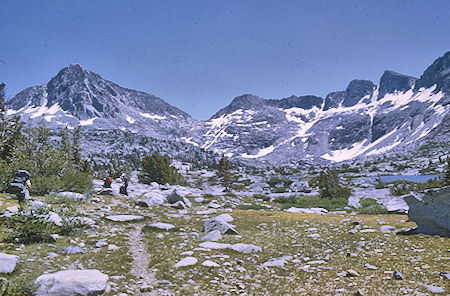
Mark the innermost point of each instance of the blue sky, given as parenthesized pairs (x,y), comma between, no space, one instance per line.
(199,55)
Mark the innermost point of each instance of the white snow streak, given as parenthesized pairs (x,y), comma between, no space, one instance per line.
(153,116)
(88,121)
(261,152)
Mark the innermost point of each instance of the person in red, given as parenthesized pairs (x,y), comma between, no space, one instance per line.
(107,183)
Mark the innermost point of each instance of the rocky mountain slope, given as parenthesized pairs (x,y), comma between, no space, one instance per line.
(365,119)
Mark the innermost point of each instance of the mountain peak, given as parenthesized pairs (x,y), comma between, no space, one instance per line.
(438,73)
(392,81)
(356,90)
(245,101)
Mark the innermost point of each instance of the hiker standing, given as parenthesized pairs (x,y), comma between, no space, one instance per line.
(20,186)
(123,188)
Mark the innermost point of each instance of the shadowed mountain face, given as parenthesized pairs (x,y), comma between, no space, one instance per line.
(362,120)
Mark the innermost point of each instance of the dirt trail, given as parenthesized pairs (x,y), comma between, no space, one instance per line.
(146,278)
(141,258)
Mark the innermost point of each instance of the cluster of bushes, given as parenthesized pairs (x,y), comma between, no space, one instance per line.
(330,185)
(29,228)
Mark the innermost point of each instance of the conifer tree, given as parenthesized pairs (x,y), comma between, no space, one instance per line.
(224,172)
(9,128)
(157,168)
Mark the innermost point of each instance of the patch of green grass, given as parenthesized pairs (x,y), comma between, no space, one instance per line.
(251,207)
(302,201)
(371,207)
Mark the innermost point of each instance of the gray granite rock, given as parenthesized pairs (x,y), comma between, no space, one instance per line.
(431,212)
(8,262)
(87,282)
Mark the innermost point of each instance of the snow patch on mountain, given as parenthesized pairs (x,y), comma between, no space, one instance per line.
(261,152)
(88,121)
(153,116)
(130,119)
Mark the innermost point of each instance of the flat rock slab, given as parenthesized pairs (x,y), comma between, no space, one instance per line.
(163,226)
(214,245)
(245,248)
(124,218)
(275,262)
(8,262)
(72,282)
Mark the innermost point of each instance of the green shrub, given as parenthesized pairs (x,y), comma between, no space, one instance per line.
(261,196)
(22,286)
(331,204)
(28,229)
(75,181)
(157,168)
(291,199)
(371,207)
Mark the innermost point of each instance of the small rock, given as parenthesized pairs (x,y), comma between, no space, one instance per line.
(371,267)
(209,263)
(352,255)
(146,288)
(141,203)
(398,275)
(178,205)
(359,292)
(387,228)
(275,262)
(186,262)
(199,199)
(163,226)
(3,285)
(434,289)
(72,250)
(113,247)
(124,218)
(100,243)
(445,274)
(351,273)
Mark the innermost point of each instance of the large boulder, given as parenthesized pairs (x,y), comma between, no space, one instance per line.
(431,212)
(153,198)
(72,282)
(175,197)
(219,223)
(8,262)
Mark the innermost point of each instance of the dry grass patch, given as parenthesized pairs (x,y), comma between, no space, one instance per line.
(303,238)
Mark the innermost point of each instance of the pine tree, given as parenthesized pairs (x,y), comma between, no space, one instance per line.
(447,173)
(224,172)
(9,128)
(76,145)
